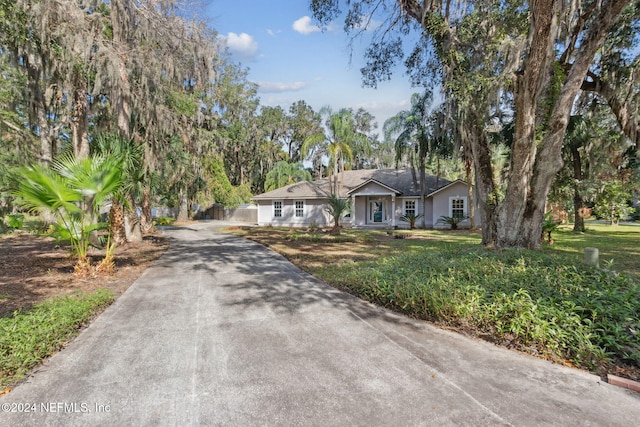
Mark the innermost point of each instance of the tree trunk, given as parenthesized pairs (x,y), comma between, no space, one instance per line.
(183,214)
(516,210)
(132,223)
(521,214)
(578,202)
(116,223)
(471,208)
(80,122)
(46,144)
(486,187)
(423,177)
(578,207)
(146,219)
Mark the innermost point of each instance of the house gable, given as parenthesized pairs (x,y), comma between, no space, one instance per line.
(372,187)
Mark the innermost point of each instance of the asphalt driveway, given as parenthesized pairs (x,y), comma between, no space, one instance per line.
(222,331)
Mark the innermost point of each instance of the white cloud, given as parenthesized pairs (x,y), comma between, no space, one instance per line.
(304,26)
(273,33)
(277,87)
(369,24)
(242,45)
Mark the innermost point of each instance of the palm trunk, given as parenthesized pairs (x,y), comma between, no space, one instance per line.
(146,219)
(132,223)
(116,223)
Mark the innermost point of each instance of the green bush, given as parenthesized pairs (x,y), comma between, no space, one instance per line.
(16,220)
(163,220)
(29,337)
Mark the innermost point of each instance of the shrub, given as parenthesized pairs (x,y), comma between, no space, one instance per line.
(163,220)
(453,221)
(16,220)
(411,219)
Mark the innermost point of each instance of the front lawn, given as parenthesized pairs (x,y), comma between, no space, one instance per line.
(547,302)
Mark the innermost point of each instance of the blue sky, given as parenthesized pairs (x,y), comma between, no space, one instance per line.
(291,59)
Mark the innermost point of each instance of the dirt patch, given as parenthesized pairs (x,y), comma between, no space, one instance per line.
(34,268)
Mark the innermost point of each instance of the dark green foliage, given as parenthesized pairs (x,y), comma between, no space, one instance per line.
(531,300)
(337,208)
(27,338)
(549,225)
(453,221)
(411,219)
(163,220)
(16,220)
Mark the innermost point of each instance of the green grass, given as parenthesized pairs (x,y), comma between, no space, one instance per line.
(29,337)
(546,302)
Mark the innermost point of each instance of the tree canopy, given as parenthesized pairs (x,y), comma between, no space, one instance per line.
(518,62)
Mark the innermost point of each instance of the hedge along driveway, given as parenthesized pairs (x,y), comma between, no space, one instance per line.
(224,331)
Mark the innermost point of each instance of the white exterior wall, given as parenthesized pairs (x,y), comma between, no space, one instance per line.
(359,212)
(314,210)
(428,213)
(442,205)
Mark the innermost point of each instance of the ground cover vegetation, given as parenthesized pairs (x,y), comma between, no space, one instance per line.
(548,302)
(28,338)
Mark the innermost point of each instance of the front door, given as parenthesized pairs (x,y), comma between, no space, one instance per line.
(377,211)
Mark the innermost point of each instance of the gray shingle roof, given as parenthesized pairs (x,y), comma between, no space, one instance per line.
(398,179)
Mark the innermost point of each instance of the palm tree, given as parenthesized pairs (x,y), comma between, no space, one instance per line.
(122,203)
(285,173)
(337,143)
(413,136)
(72,190)
(337,208)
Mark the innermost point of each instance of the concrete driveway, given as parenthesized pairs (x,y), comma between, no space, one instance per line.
(222,331)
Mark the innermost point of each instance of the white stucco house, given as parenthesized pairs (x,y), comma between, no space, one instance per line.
(379,198)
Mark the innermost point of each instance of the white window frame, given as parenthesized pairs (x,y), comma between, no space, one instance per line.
(415,206)
(276,209)
(296,209)
(465,205)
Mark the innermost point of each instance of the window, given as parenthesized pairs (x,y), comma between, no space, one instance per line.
(457,207)
(299,208)
(277,208)
(410,207)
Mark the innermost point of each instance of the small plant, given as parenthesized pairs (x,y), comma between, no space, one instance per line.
(549,225)
(16,221)
(337,208)
(453,221)
(411,219)
(107,264)
(163,220)
(313,226)
(71,190)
